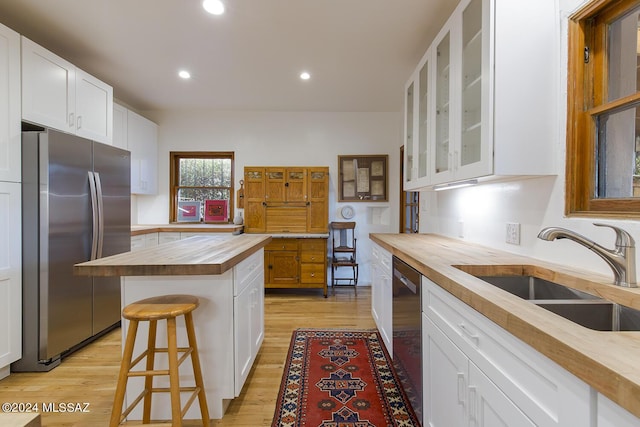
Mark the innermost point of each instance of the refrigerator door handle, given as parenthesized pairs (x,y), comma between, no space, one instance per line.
(94,215)
(100,214)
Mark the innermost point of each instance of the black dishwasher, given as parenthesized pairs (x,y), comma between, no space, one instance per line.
(407,332)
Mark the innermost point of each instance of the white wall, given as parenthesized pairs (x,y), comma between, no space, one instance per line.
(480,213)
(284,139)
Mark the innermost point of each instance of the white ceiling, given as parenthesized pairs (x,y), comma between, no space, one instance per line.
(359,52)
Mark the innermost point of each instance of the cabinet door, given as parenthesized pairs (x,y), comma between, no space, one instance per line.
(282,268)
(421,149)
(10,105)
(242,337)
(318,209)
(257,314)
(274,185)
(254,200)
(10,274)
(475,156)
(94,108)
(443,155)
(489,406)
(445,375)
(142,136)
(48,88)
(119,138)
(296,185)
(410,172)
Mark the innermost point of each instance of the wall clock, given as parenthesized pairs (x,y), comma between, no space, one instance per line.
(347,212)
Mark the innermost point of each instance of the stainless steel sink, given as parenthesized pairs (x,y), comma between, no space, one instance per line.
(534,288)
(600,315)
(580,307)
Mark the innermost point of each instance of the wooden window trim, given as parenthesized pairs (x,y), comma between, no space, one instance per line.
(174,159)
(587,95)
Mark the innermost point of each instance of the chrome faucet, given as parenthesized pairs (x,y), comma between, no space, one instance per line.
(622,259)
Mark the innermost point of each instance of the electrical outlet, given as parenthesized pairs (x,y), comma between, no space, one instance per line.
(513,233)
(461,229)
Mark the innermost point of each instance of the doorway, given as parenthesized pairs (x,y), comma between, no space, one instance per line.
(409,204)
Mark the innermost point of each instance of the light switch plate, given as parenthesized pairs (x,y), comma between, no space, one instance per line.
(513,233)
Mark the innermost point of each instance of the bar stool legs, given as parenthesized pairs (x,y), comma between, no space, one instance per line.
(152,309)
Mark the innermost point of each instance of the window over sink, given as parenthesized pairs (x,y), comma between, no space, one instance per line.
(603,126)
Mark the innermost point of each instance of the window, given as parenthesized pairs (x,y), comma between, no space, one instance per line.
(603,126)
(201,186)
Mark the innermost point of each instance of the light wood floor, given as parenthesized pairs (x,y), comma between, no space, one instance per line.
(89,375)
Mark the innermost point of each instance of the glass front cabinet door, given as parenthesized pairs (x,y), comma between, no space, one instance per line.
(417,126)
(462,147)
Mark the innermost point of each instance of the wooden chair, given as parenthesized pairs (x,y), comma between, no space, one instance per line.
(166,307)
(344,241)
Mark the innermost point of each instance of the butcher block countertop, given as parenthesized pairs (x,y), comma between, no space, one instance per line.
(198,255)
(608,361)
(195,227)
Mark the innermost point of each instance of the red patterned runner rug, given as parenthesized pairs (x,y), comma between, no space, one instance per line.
(340,378)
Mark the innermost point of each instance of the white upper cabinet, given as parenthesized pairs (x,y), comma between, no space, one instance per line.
(58,95)
(9,105)
(120,126)
(142,141)
(480,104)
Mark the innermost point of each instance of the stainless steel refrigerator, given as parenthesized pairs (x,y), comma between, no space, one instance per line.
(76,206)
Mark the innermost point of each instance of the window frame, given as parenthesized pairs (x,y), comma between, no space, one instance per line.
(586,99)
(174,170)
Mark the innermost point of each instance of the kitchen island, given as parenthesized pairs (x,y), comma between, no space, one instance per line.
(555,371)
(226,273)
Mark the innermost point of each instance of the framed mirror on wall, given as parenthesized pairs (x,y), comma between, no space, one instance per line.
(363,178)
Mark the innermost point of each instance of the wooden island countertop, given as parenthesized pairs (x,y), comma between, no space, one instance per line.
(607,361)
(198,255)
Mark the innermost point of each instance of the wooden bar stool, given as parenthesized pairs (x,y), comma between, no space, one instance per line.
(166,307)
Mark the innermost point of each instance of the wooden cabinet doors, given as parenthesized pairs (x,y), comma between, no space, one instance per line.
(285,185)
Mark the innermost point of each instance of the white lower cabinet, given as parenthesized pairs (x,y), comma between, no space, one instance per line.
(229,324)
(381,293)
(476,373)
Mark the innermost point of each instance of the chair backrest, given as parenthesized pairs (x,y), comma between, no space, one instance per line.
(343,239)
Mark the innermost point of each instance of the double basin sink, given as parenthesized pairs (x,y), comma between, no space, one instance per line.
(580,307)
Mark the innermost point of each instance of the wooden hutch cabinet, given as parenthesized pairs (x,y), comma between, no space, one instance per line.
(290,200)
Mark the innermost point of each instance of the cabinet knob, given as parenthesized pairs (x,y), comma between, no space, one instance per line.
(313,258)
(313,274)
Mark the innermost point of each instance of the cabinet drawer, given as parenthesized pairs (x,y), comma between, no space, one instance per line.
(312,273)
(382,256)
(313,244)
(246,270)
(312,256)
(282,245)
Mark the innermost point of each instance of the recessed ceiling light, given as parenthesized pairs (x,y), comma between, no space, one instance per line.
(305,76)
(184,74)
(214,7)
